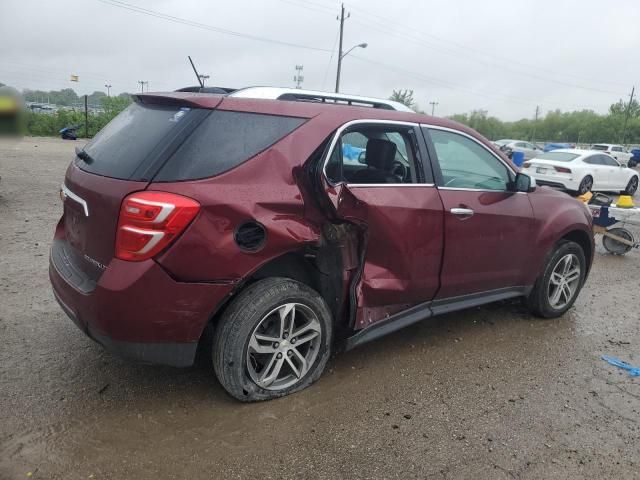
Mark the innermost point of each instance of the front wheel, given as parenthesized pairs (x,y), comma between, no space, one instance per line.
(557,288)
(273,339)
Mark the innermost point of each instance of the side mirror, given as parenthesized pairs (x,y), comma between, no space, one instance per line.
(524,183)
(362,158)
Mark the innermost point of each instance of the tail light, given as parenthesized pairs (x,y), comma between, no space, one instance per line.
(526,164)
(150,221)
(562,169)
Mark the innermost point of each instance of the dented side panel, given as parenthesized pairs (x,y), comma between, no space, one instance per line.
(265,189)
(401,237)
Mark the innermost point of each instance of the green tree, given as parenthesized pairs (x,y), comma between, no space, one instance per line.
(403,96)
(620,108)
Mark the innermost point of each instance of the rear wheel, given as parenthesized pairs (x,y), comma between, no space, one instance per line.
(585,185)
(274,339)
(614,246)
(557,288)
(632,186)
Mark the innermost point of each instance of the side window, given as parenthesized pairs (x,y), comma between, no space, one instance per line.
(224,140)
(608,161)
(616,149)
(592,160)
(373,154)
(465,163)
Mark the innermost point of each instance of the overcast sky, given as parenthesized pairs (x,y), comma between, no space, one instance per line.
(502,56)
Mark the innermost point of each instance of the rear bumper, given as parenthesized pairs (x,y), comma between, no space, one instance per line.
(558,181)
(137,311)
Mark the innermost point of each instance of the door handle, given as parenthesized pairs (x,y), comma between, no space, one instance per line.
(462,212)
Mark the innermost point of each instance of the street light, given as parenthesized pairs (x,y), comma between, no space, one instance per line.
(203,77)
(108,90)
(342,55)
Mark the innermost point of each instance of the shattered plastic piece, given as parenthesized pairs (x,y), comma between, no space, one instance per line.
(633,371)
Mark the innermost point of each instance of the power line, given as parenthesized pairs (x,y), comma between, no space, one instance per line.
(474,58)
(333,51)
(191,23)
(444,84)
(385,21)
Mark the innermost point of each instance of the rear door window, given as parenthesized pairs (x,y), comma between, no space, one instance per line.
(224,140)
(374,154)
(124,144)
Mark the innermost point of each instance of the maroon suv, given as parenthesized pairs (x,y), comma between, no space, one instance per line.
(294,226)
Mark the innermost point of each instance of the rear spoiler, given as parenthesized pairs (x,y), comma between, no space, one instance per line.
(180,99)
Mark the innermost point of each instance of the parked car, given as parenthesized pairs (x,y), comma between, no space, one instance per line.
(581,171)
(528,149)
(635,157)
(616,151)
(238,220)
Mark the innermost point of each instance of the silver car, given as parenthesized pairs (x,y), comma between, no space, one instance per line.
(529,149)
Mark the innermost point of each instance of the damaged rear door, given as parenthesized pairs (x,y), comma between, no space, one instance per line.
(374,178)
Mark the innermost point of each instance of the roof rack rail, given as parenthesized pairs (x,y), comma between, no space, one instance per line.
(199,89)
(299,95)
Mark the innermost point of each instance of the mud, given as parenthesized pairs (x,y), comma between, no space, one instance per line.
(487,393)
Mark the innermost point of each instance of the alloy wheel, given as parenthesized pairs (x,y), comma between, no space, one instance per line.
(564,281)
(633,186)
(283,346)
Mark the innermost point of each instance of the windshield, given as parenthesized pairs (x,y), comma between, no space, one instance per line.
(558,156)
(599,147)
(502,143)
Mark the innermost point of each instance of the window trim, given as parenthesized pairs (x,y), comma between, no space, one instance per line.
(338,133)
(436,164)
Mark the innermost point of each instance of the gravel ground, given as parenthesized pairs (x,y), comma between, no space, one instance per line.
(486,393)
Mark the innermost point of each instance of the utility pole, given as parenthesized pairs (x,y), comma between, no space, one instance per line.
(535,124)
(433,107)
(108,87)
(341,18)
(627,114)
(86,118)
(298,78)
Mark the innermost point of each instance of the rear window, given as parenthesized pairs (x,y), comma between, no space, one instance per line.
(599,147)
(224,140)
(558,156)
(124,144)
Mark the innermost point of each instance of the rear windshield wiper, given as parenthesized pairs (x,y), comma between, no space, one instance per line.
(83,155)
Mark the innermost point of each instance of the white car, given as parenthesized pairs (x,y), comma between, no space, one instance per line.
(581,171)
(616,151)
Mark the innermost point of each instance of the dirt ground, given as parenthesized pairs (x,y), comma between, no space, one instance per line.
(486,393)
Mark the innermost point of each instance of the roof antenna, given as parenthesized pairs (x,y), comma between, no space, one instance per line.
(200,80)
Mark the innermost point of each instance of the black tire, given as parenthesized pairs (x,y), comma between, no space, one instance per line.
(243,316)
(585,185)
(632,186)
(615,247)
(538,300)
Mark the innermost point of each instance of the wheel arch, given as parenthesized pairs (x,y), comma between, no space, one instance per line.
(303,266)
(583,239)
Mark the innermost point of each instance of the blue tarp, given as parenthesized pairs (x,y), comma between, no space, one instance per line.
(555,146)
